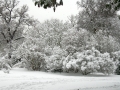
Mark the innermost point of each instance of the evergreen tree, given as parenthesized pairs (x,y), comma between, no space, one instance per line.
(48,3)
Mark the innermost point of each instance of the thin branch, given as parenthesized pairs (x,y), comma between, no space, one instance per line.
(16,28)
(19,38)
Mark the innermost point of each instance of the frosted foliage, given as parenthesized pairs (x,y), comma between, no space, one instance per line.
(57,50)
(5,63)
(20,64)
(83,68)
(54,58)
(116,55)
(70,49)
(89,61)
(29,58)
(79,39)
(54,51)
(34,61)
(116,58)
(48,50)
(53,62)
(70,64)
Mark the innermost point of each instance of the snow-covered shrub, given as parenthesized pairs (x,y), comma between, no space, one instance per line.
(48,50)
(15,58)
(27,58)
(58,51)
(116,57)
(5,63)
(98,62)
(81,61)
(107,66)
(118,69)
(87,66)
(70,64)
(34,61)
(54,59)
(19,55)
(54,63)
(88,62)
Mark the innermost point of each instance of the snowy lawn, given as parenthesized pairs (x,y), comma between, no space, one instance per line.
(21,79)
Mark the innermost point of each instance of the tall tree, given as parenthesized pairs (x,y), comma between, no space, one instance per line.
(13,21)
(95,16)
(73,20)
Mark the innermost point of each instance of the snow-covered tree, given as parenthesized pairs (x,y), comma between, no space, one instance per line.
(81,39)
(105,43)
(14,20)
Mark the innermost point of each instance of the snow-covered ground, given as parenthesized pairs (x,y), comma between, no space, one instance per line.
(21,79)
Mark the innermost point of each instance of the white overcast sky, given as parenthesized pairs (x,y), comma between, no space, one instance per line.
(62,12)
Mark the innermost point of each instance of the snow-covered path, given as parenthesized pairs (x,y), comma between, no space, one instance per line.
(20,79)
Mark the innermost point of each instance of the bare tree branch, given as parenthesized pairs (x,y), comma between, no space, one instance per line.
(19,38)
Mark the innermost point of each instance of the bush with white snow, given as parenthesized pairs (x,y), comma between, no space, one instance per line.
(88,62)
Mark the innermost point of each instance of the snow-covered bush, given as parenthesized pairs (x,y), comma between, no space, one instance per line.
(88,62)
(54,63)
(58,51)
(118,69)
(70,64)
(28,58)
(5,63)
(19,55)
(15,58)
(54,59)
(116,57)
(34,61)
(48,51)
(107,66)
